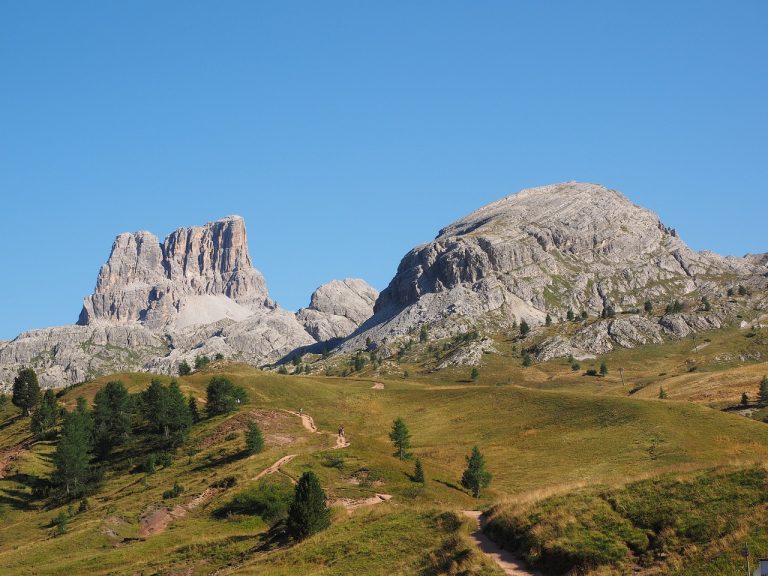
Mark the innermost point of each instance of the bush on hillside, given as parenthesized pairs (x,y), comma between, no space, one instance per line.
(269,499)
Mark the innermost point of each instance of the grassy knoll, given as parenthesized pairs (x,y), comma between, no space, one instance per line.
(658,526)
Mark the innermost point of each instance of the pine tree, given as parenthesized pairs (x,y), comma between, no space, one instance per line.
(569,316)
(764,390)
(184,368)
(474,374)
(154,405)
(418,472)
(662,394)
(744,399)
(475,476)
(112,415)
(179,418)
(400,437)
(548,320)
(423,334)
(26,390)
(308,513)
(254,441)
(166,408)
(223,396)
(194,411)
(648,306)
(603,369)
(527,360)
(45,417)
(524,328)
(72,456)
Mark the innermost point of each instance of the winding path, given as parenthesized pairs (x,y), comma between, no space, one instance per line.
(274,468)
(503,558)
(309,423)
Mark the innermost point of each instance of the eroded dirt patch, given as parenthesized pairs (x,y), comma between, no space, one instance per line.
(355,503)
(8,456)
(271,422)
(156,520)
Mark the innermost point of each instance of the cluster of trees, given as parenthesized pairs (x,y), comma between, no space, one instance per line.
(89,435)
(474,478)
(742,290)
(201,361)
(675,308)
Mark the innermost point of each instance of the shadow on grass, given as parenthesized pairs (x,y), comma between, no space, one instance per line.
(10,421)
(223,461)
(450,485)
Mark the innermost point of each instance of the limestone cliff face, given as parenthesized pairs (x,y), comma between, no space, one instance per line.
(338,308)
(148,282)
(544,251)
(156,304)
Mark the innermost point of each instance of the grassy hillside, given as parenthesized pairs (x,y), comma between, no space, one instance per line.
(538,440)
(692,524)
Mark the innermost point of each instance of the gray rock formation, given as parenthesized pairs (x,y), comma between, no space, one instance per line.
(69,354)
(148,282)
(338,308)
(544,251)
(158,304)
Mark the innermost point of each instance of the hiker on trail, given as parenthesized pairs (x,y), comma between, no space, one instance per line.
(301,411)
(341,431)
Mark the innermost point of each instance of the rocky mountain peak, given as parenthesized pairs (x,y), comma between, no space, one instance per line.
(149,282)
(338,308)
(545,251)
(586,220)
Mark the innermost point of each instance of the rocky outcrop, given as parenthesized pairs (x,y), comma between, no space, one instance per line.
(148,282)
(547,250)
(156,304)
(338,308)
(69,354)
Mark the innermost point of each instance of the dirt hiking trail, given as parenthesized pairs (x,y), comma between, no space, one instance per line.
(309,424)
(274,468)
(510,565)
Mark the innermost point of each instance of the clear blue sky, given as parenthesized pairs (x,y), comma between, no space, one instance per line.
(347,132)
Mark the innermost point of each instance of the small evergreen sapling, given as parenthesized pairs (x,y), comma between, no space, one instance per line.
(764,390)
(475,476)
(418,472)
(254,440)
(400,437)
(308,513)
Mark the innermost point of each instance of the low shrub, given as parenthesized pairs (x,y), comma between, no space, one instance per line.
(269,499)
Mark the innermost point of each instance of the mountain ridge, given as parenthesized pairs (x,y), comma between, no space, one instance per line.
(547,252)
